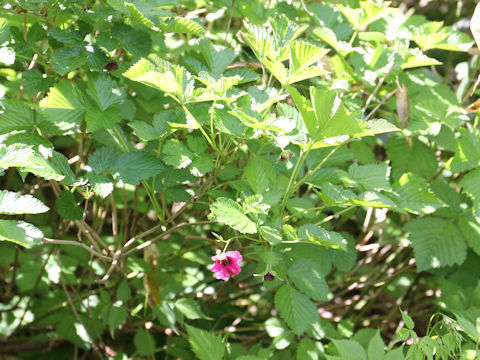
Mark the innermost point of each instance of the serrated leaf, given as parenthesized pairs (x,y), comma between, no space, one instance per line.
(102,159)
(328,122)
(270,234)
(191,309)
(115,317)
(45,168)
(132,167)
(176,154)
(309,350)
(144,342)
(470,184)
(171,79)
(148,132)
(181,25)
(245,74)
(374,199)
(376,347)
(101,185)
(350,350)
(371,176)
(137,16)
(20,232)
(295,308)
(67,206)
(202,165)
(4,30)
(15,116)
(64,105)
(68,37)
(318,235)
(436,243)
(103,90)
(15,155)
(467,152)
(337,194)
(256,176)
(205,345)
(308,279)
(97,119)
(135,41)
(228,212)
(417,158)
(13,203)
(414,195)
(68,59)
(216,57)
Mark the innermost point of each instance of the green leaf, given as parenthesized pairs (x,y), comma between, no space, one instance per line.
(15,116)
(15,155)
(135,41)
(68,59)
(20,232)
(417,158)
(414,195)
(467,152)
(202,165)
(471,232)
(171,79)
(4,30)
(228,212)
(144,342)
(318,235)
(205,345)
(176,154)
(147,132)
(328,122)
(470,184)
(436,243)
(371,176)
(115,317)
(101,185)
(256,176)
(102,159)
(271,234)
(132,167)
(191,309)
(350,350)
(295,308)
(45,168)
(67,206)
(309,350)
(64,105)
(12,203)
(376,347)
(407,320)
(97,119)
(306,277)
(181,25)
(104,92)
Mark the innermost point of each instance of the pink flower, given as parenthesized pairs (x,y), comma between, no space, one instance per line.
(226,265)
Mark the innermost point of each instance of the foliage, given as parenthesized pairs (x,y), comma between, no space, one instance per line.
(328,143)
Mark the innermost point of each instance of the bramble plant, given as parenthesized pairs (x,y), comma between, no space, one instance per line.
(213,179)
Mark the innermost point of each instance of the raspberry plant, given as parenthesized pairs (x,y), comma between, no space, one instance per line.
(327,146)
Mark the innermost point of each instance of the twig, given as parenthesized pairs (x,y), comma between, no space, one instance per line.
(384,100)
(75,243)
(159,237)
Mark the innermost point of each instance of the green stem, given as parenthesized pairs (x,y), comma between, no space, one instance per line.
(212,144)
(311,173)
(150,191)
(301,158)
(328,218)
